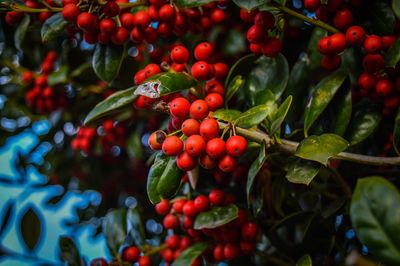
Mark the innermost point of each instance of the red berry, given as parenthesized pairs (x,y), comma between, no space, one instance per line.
(247,247)
(215,101)
(366,81)
(203,51)
(227,163)
(324,45)
(152,69)
(217,197)
(373,44)
(215,148)
(70,12)
(108,25)
(162,208)
(312,5)
(127,21)
(256,48)
(231,251)
(195,145)
(180,54)
(201,203)
(218,16)
(384,87)
(110,9)
(209,129)
(178,67)
(189,209)
(337,43)
(256,35)
(199,109)
(185,241)
(373,62)
(137,35)
(218,252)
(144,261)
(120,36)
(87,21)
(170,222)
(164,29)
(202,71)
(388,41)
(220,70)
(331,62)
(179,107)
(99,262)
(172,146)
(141,19)
(264,20)
(185,162)
(130,254)
(166,13)
(177,206)
(207,162)
(190,127)
(173,241)
(343,19)
(272,47)
(236,146)
(140,76)
(214,86)
(355,35)
(249,231)
(247,15)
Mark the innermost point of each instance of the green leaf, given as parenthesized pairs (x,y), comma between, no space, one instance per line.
(255,115)
(267,80)
(279,116)
(111,104)
(323,94)
(155,172)
(234,43)
(321,148)
(137,231)
(396,133)
(134,146)
(241,67)
(375,215)
(314,57)
(393,54)
(343,114)
(165,83)
(254,169)
(191,3)
(302,171)
(396,8)
(107,60)
(250,4)
(59,76)
(228,115)
(216,217)
(190,254)
(20,32)
(381,17)
(53,27)
(31,228)
(366,119)
(69,251)
(170,179)
(233,87)
(114,229)
(304,261)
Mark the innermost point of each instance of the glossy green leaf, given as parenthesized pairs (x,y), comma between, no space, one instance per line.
(250,4)
(343,114)
(255,115)
(136,226)
(165,83)
(304,261)
(69,252)
(392,56)
(216,217)
(190,254)
(241,67)
(254,169)
(191,3)
(396,133)
(278,118)
(228,115)
(170,180)
(155,172)
(111,104)
(302,171)
(323,94)
(314,57)
(107,60)
(59,76)
(31,228)
(396,8)
(267,80)
(234,43)
(114,229)
(375,215)
(321,148)
(381,16)
(233,87)
(365,121)
(20,32)
(53,27)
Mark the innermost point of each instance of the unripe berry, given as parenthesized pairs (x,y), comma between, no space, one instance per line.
(172,146)
(203,51)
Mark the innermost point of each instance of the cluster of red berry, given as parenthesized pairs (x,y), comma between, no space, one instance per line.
(130,254)
(229,241)
(13,18)
(260,41)
(42,97)
(85,139)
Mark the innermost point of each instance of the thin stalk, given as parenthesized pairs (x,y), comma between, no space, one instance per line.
(156,250)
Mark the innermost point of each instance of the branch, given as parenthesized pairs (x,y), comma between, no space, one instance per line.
(316,22)
(290,147)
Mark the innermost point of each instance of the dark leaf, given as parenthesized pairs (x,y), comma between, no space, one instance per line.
(107,60)
(254,169)
(304,261)
(53,27)
(20,32)
(302,171)
(135,226)
(191,3)
(233,87)
(255,115)
(393,54)
(396,133)
(250,4)
(170,180)
(343,114)
(336,205)
(190,254)
(396,8)
(321,148)
(69,251)
(375,215)
(111,104)
(382,18)
(31,228)
(59,76)
(323,94)
(241,67)
(228,115)
(155,172)
(278,118)
(216,217)
(114,229)
(314,56)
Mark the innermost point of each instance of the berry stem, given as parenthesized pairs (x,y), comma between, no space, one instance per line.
(134,4)
(175,132)
(155,250)
(316,22)
(290,147)
(22,8)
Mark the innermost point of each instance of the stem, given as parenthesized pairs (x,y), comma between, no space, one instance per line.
(290,147)
(135,4)
(156,250)
(22,8)
(316,22)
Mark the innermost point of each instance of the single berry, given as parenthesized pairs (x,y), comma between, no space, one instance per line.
(217,197)
(202,71)
(180,54)
(70,12)
(130,254)
(256,35)
(384,87)
(227,164)
(203,51)
(209,129)
(215,148)
(249,231)
(185,162)
(373,44)
(366,81)
(264,20)
(236,146)
(179,107)
(201,203)
(195,145)
(170,222)
(172,146)
(162,208)
(199,109)
(343,19)
(189,209)
(190,127)
(355,35)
